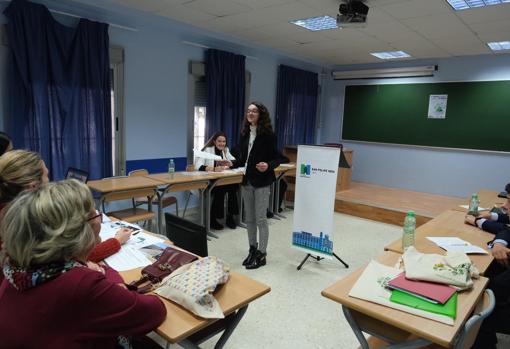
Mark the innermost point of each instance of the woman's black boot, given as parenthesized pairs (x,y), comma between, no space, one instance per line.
(251,254)
(258,260)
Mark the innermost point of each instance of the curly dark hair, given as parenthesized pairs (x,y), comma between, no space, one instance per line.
(264,123)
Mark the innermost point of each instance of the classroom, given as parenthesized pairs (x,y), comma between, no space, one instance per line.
(411,94)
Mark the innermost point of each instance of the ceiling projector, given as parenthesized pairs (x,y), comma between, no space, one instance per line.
(352,12)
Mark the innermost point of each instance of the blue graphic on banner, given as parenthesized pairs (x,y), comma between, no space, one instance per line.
(320,243)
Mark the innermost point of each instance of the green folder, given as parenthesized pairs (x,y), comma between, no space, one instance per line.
(449,308)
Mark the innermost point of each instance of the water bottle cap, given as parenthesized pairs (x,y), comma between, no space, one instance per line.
(410,213)
(474,195)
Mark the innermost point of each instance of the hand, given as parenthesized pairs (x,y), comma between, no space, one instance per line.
(470,220)
(123,235)
(262,166)
(95,267)
(226,163)
(220,168)
(501,254)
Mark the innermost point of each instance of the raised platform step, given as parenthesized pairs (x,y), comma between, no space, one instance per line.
(390,205)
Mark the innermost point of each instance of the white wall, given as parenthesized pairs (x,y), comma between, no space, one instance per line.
(440,171)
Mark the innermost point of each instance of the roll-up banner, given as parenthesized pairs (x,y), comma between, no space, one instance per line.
(314,200)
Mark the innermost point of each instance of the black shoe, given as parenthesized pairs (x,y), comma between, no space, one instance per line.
(280,210)
(231,222)
(258,261)
(269,214)
(215,225)
(251,254)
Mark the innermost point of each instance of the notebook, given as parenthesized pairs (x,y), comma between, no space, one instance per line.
(449,308)
(432,292)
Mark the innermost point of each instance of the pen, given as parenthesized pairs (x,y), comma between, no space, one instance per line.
(136,232)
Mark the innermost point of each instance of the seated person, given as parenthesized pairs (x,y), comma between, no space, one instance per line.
(5,143)
(51,297)
(499,275)
(217,145)
(25,170)
(490,221)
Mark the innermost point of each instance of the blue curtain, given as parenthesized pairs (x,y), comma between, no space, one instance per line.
(60,90)
(296,106)
(225,77)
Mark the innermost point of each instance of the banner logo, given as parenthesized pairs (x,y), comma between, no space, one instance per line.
(305,170)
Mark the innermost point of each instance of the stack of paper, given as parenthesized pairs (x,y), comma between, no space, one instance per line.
(130,255)
(455,244)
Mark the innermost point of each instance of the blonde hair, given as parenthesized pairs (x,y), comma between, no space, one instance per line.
(18,170)
(49,225)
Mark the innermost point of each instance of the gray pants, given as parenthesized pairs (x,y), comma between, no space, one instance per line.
(256,201)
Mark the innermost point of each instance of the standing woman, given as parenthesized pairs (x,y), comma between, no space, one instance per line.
(258,153)
(217,145)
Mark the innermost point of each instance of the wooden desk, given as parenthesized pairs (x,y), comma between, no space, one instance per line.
(488,199)
(392,321)
(449,223)
(234,296)
(279,172)
(109,185)
(180,181)
(220,179)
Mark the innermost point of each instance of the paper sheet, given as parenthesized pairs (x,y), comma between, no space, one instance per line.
(479,208)
(127,258)
(205,155)
(108,229)
(455,244)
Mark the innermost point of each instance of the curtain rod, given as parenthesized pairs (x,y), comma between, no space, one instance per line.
(190,43)
(68,14)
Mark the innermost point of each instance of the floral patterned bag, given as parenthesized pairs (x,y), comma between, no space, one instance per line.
(455,268)
(192,286)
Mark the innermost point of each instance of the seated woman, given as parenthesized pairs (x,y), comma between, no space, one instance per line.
(25,170)
(217,145)
(490,221)
(50,297)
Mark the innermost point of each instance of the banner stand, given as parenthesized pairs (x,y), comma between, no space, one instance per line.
(318,258)
(314,200)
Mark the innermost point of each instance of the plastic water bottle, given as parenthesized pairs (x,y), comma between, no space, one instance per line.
(473,205)
(171,169)
(409,228)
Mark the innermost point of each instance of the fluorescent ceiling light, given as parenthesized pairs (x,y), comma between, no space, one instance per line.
(317,23)
(465,4)
(500,45)
(391,54)
(403,72)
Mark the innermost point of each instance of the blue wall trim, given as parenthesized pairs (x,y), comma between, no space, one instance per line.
(155,165)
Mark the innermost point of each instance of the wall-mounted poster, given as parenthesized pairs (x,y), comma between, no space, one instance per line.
(437,106)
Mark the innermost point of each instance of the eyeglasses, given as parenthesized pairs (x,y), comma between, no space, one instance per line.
(98,214)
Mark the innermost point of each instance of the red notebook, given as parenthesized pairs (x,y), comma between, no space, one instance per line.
(436,293)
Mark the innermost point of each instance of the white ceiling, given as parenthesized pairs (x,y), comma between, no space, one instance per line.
(422,28)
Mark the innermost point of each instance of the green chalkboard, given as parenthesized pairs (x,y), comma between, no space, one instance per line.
(477,115)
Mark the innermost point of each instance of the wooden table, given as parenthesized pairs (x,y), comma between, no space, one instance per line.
(116,184)
(233,297)
(394,323)
(279,173)
(488,199)
(450,223)
(180,181)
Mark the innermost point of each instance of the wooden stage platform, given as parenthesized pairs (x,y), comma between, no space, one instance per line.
(390,205)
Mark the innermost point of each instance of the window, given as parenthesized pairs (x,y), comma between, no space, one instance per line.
(117,101)
(199,127)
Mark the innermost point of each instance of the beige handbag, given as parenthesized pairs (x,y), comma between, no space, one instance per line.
(455,268)
(192,286)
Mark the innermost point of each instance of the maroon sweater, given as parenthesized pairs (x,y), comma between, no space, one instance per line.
(79,309)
